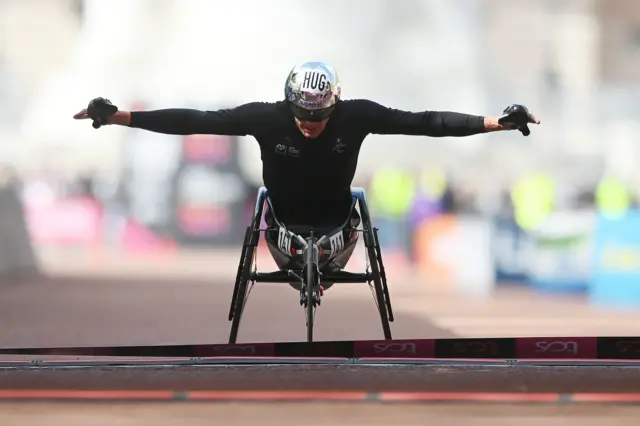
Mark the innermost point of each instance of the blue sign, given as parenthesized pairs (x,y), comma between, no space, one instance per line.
(615,280)
(510,252)
(562,247)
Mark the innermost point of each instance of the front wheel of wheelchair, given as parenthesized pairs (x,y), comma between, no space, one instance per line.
(311,304)
(240,290)
(312,286)
(379,292)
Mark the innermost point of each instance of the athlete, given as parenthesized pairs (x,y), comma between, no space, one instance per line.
(310,140)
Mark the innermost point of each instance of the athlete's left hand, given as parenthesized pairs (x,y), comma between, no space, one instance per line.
(517,117)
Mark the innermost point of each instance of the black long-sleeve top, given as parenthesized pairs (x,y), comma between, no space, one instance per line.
(309,179)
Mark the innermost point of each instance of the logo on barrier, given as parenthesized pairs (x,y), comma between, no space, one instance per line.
(557,347)
(395,349)
(315,349)
(618,347)
(476,348)
(258,349)
(628,348)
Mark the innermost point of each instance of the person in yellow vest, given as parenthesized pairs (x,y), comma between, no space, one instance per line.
(533,200)
(612,197)
(391,195)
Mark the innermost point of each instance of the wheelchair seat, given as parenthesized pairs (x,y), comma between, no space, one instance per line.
(351,222)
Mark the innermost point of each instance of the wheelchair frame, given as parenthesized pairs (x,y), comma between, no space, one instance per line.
(309,277)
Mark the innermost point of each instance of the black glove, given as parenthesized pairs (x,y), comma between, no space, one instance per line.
(517,117)
(99,110)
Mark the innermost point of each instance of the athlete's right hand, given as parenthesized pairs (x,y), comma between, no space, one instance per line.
(518,117)
(99,110)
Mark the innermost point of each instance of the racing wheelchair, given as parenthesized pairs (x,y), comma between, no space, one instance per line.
(311,260)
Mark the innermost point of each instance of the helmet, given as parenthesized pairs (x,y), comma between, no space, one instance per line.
(312,90)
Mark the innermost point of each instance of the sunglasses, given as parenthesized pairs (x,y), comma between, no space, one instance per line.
(313,115)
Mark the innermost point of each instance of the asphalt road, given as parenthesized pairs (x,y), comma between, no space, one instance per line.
(381,378)
(312,414)
(70,311)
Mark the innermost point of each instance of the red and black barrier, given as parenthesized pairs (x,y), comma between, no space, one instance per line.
(584,348)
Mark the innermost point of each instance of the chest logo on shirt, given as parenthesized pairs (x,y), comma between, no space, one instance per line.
(290,151)
(339,146)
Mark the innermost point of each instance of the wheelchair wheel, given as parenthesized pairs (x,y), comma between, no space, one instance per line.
(383,275)
(240,290)
(311,286)
(378,288)
(245,245)
(311,304)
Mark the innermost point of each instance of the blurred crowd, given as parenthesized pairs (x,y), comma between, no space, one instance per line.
(400,200)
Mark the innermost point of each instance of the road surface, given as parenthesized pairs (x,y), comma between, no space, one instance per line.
(105,304)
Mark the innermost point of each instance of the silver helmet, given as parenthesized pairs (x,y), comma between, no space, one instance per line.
(312,89)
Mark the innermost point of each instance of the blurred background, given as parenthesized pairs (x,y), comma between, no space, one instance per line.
(492,217)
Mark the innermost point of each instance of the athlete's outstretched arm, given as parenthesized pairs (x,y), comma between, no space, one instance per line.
(378,119)
(241,120)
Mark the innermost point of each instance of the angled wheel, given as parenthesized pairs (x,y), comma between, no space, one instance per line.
(242,281)
(383,275)
(239,272)
(377,283)
(375,260)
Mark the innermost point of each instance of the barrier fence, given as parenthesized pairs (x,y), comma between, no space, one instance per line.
(574,348)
